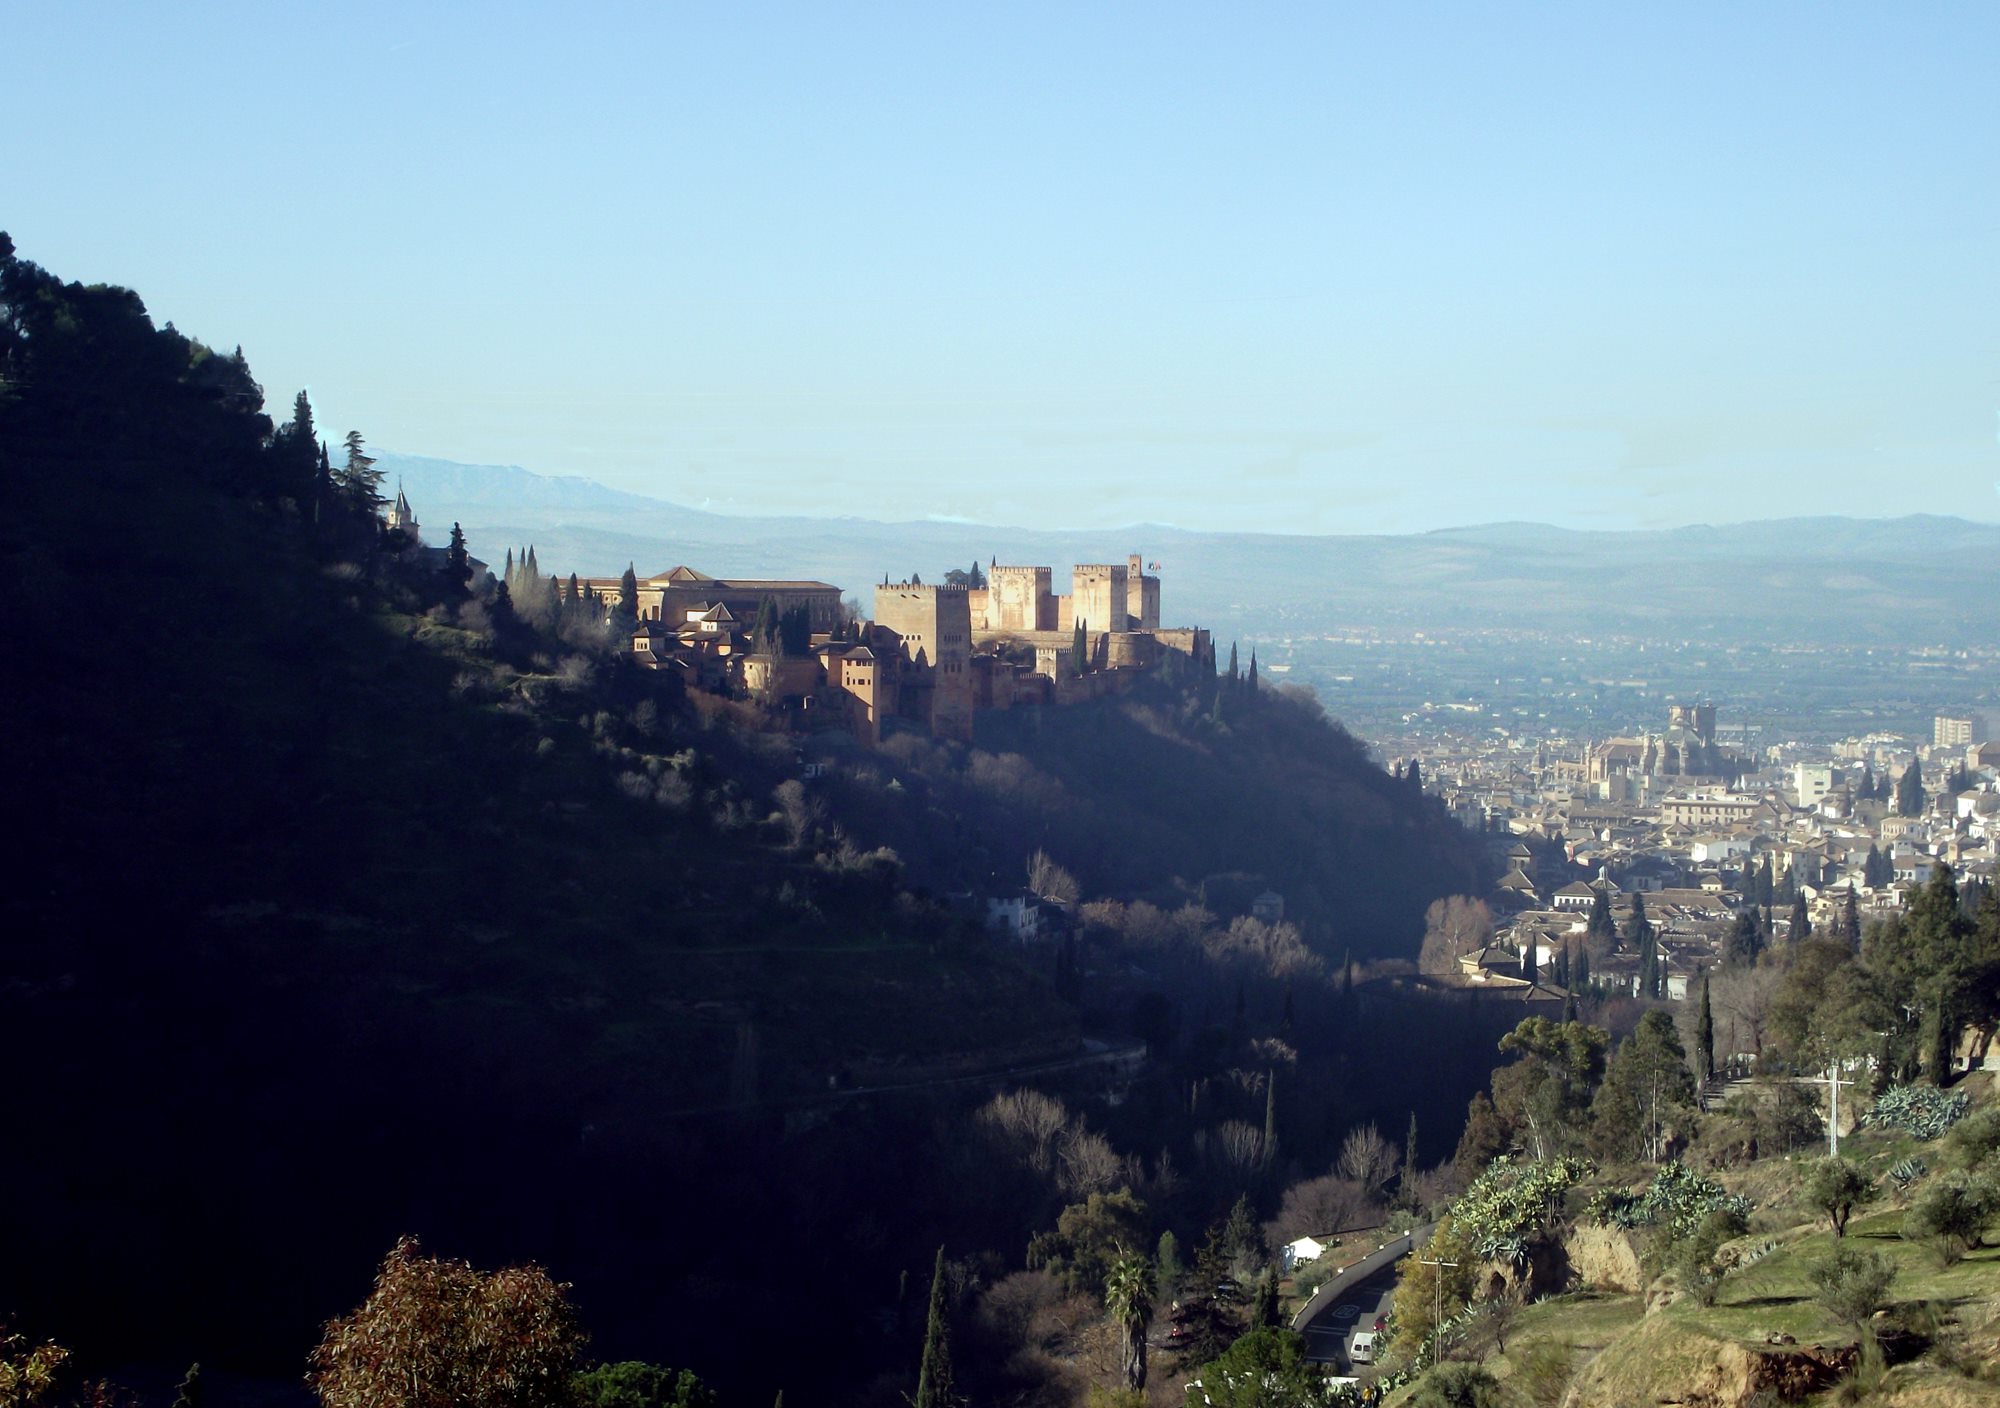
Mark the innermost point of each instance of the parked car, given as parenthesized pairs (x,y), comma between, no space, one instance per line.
(1362,1349)
(1381,1324)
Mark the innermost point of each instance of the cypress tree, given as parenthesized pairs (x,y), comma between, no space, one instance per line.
(1801,920)
(1850,920)
(1270,1152)
(457,565)
(1233,677)
(1704,1034)
(1408,1188)
(1582,967)
(1253,669)
(1562,965)
(1414,777)
(1910,790)
(190,1390)
(322,482)
(1601,924)
(1637,930)
(1528,970)
(1267,1313)
(1079,650)
(934,1371)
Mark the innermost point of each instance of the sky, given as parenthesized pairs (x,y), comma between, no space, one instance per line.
(1316,268)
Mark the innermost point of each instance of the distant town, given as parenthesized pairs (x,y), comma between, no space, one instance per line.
(1709,829)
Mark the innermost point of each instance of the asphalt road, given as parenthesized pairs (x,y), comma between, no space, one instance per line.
(1331,1332)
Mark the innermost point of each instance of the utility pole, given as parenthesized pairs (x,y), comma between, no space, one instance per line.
(1832,1082)
(1437,1306)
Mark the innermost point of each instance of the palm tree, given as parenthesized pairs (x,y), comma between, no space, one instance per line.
(1128,1295)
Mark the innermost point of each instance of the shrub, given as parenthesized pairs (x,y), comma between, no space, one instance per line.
(1457,1386)
(1678,1200)
(1921,1110)
(1906,1172)
(1852,1285)
(633,1384)
(1951,1214)
(1543,1371)
(1974,1139)
(1834,1187)
(1698,1260)
(1510,1206)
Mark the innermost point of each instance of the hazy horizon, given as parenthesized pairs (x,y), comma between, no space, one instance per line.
(1291,268)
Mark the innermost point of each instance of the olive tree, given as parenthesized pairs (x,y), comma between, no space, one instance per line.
(439,1334)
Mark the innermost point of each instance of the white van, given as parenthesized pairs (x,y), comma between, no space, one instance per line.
(1361,1349)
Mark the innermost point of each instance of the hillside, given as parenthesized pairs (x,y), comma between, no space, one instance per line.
(1769,1332)
(357,908)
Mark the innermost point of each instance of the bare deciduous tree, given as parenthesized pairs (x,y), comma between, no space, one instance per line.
(1317,1207)
(1368,1158)
(1050,880)
(1031,1122)
(1086,1163)
(798,809)
(1453,926)
(1233,1146)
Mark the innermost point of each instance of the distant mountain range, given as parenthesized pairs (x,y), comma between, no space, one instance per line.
(1921,578)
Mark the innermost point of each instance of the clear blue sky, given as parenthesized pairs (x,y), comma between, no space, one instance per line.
(1293,268)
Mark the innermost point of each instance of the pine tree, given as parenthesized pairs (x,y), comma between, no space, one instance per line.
(934,1389)
(359,479)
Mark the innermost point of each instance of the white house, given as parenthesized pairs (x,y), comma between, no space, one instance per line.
(1296,1254)
(1017,916)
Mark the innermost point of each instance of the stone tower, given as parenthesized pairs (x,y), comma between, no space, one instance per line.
(933,625)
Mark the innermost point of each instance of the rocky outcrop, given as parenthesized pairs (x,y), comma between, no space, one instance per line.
(1604,1259)
(1663,1363)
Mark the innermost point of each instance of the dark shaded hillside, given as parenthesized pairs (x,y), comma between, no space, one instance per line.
(331,923)
(344,909)
(1146,797)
